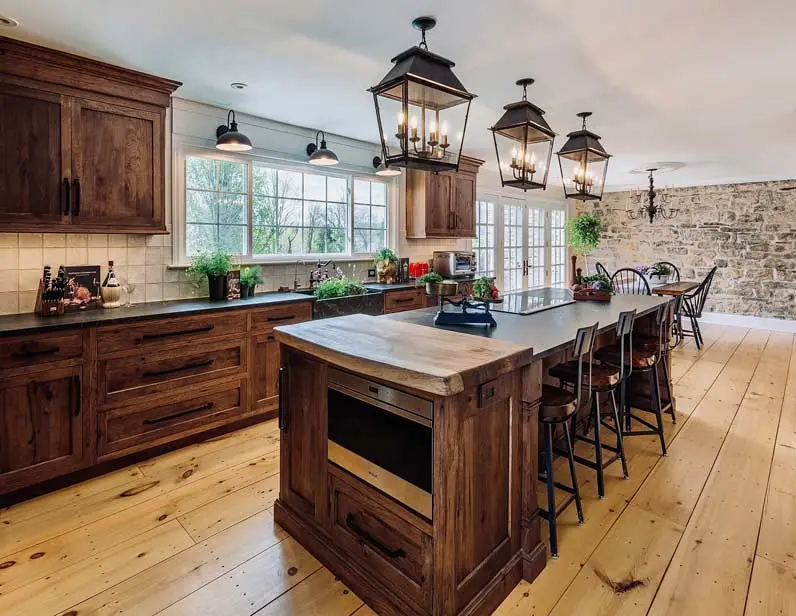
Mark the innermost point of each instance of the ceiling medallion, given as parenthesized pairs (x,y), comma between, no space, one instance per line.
(655,205)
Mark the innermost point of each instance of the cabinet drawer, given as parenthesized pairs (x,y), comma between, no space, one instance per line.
(27,350)
(124,379)
(267,318)
(383,540)
(410,299)
(136,427)
(168,332)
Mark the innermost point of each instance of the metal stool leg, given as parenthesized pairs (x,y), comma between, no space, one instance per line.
(598,447)
(655,392)
(551,495)
(620,445)
(668,388)
(625,406)
(571,458)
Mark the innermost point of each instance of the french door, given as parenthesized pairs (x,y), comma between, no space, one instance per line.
(528,243)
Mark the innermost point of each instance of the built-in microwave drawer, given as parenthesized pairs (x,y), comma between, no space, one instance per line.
(384,539)
(125,379)
(394,397)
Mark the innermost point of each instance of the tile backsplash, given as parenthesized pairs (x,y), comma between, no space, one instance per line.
(142,259)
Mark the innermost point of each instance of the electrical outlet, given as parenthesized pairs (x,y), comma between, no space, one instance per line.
(372,273)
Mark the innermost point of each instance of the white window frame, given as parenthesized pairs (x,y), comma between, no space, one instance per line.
(179,197)
(500,199)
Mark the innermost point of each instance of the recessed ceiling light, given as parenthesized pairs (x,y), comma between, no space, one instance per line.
(238,85)
(8,22)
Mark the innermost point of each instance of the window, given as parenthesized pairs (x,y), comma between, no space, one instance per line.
(484,242)
(513,249)
(536,247)
(558,248)
(257,210)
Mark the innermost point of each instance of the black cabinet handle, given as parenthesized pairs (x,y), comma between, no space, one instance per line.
(270,338)
(285,318)
(76,185)
(404,300)
(489,393)
(191,366)
(204,407)
(67,197)
(350,521)
(373,390)
(282,417)
(28,352)
(182,332)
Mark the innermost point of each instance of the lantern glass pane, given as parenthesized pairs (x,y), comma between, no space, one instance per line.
(514,153)
(584,176)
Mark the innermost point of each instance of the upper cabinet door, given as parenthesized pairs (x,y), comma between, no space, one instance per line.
(34,158)
(439,214)
(117,168)
(464,205)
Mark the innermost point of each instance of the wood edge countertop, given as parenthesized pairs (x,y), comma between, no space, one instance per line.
(435,361)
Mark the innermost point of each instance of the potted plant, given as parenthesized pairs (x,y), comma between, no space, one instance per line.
(584,235)
(659,272)
(386,263)
(215,266)
(485,288)
(432,280)
(250,277)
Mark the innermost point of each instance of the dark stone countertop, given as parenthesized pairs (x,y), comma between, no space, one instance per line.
(549,331)
(407,285)
(30,323)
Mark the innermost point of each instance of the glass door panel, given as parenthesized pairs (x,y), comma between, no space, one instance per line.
(558,248)
(536,247)
(484,244)
(514,246)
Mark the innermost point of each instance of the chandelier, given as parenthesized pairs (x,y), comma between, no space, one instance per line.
(654,205)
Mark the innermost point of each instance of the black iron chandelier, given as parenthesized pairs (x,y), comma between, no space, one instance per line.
(654,205)
(583,162)
(430,106)
(524,137)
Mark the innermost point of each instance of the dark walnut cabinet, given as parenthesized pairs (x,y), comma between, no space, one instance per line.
(442,204)
(82,143)
(77,398)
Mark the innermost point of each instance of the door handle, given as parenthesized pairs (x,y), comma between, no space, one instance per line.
(67,197)
(76,185)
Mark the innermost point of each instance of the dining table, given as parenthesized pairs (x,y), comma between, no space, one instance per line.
(676,289)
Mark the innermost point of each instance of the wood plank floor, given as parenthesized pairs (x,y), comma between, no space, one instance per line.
(710,529)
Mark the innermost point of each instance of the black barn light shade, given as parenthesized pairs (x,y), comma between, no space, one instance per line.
(583,162)
(319,154)
(421,109)
(384,170)
(523,143)
(229,139)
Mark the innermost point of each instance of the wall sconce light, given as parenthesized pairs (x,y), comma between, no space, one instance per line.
(319,154)
(383,170)
(229,139)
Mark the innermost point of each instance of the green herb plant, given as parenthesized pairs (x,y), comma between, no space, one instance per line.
(659,269)
(385,254)
(342,287)
(600,280)
(432,277)
(251,276)
(208,264)
(483,287)
(584,234)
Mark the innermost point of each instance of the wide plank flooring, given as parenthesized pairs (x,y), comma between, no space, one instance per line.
(710,529)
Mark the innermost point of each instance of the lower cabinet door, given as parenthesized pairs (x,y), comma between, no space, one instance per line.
(264,372)
(43,427)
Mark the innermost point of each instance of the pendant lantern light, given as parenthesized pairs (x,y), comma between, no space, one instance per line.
(583,162)
(523,143)
(424,106)
(229,139)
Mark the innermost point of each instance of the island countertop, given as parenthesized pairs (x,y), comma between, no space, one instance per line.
(548,331)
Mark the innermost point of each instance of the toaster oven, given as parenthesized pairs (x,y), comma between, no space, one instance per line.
(452,264)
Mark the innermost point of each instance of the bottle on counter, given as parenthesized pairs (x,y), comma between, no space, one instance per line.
(111,289)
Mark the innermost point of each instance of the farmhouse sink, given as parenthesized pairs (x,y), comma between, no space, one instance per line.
(371,303)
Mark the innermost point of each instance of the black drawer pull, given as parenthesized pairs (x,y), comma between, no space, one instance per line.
(182,332)
(67,197)
(404,300)
(28,352)
(489,393)
(373,390)
(204,407)
(284,318)
(282,416)
(270,338)
(350,521)
(191,366)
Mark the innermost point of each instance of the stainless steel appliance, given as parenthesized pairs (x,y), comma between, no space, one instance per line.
(453,264)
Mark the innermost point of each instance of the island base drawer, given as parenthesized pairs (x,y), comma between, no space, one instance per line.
(371,529)
(400,301)
(127,429)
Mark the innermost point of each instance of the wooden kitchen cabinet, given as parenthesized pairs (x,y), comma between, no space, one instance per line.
(442,204)
(42,426)
(82,143)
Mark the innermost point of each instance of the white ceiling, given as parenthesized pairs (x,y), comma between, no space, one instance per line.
(705,82)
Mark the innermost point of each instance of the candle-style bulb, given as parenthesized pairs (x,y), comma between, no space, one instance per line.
(400,118)
(432,127)
(413,122)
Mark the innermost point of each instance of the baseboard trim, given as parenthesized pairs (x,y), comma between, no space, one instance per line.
(743,320)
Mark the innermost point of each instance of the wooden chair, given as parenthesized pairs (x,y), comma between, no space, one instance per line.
(558,406)
(601,270)
(629,282)
(675,275)
(692,306)
(604,380)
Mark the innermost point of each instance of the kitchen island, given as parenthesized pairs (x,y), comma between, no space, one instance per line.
(409,452)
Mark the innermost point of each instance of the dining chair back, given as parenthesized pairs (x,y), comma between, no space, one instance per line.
(601,270)
(674,276)
(628,281)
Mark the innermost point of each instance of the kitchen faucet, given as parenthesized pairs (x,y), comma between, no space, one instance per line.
(321,272)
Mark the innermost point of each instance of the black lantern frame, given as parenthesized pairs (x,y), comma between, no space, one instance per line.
(423,80)
(523,125)
(589,161)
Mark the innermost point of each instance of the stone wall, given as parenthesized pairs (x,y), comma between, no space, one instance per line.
(747,230)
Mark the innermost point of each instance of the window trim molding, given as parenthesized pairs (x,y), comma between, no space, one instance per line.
(181,151)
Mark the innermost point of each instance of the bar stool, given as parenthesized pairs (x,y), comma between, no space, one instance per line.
(644,360)
(557,407)
(666,320)
(604,379)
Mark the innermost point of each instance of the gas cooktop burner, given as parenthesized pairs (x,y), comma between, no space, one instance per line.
(535,300)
